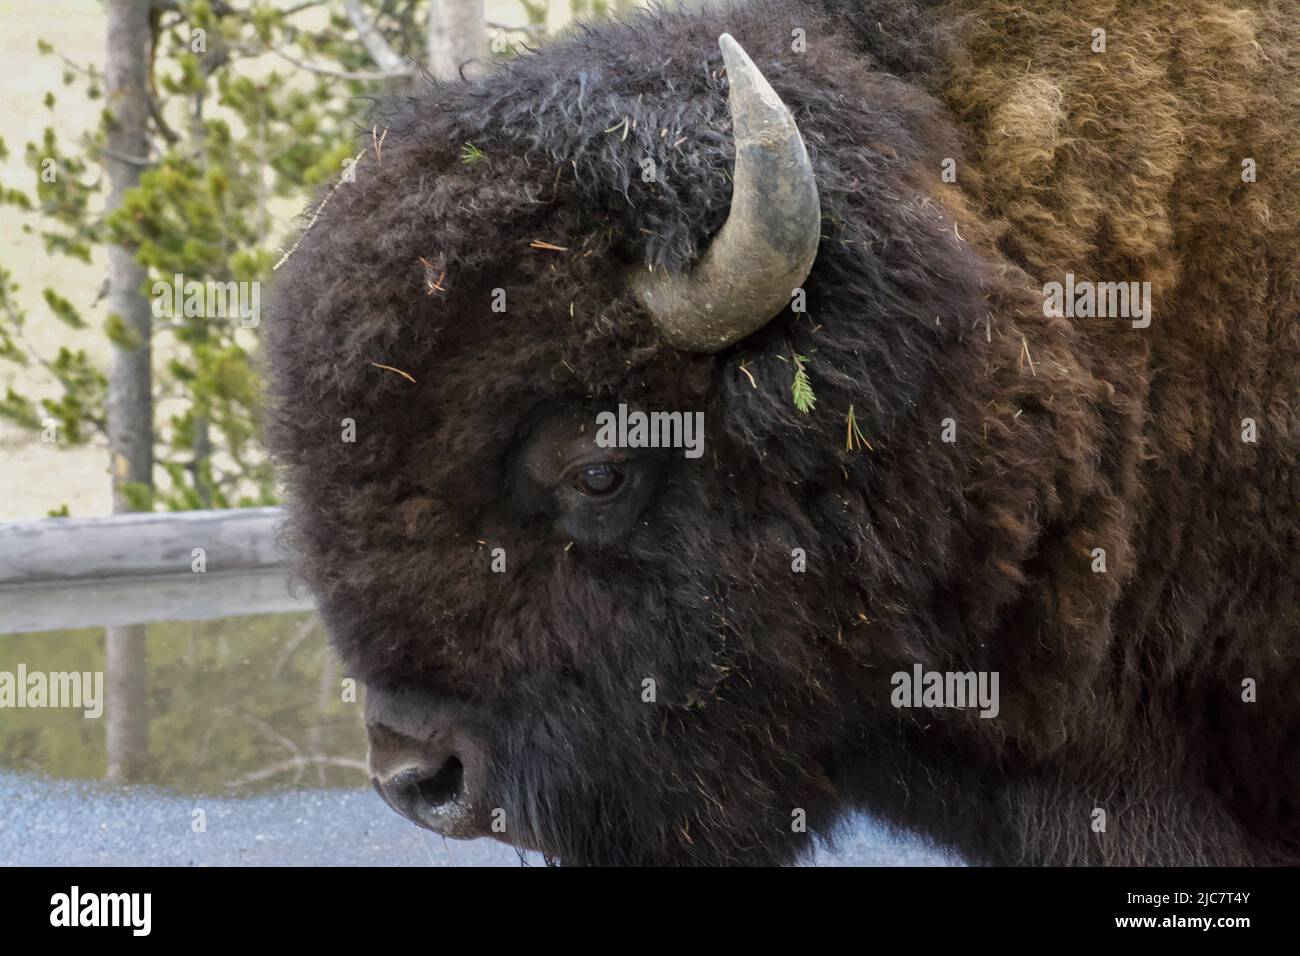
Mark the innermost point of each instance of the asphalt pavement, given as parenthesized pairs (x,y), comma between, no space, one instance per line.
(47,822)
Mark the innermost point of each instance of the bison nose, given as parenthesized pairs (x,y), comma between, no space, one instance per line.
(433,779)
(435,800)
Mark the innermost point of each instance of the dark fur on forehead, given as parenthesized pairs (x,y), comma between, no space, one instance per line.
(595,104)
(564,132)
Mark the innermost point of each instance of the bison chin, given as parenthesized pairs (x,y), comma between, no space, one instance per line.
(588,785)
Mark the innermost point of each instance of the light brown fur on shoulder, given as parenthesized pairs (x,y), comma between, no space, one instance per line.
(1171,156)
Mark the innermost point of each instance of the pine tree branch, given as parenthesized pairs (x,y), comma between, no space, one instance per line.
(133,160)
(385,57)
(341,74)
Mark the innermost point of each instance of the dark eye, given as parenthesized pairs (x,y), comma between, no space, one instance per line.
(599,480)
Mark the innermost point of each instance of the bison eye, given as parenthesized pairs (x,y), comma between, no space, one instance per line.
(600,480)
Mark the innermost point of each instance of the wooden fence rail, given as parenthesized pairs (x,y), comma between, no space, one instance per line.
(58,573)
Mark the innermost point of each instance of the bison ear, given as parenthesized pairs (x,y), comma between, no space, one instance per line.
(766,248)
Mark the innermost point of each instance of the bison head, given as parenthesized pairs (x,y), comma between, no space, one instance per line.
(629,654)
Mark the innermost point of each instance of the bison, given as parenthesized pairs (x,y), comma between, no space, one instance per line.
(989,310)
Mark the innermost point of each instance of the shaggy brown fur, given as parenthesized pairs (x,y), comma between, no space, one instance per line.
(1120,691)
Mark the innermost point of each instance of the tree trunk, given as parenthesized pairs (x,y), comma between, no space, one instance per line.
(130,377)
(126,701)
(130,380)
(201,463)
(457,36)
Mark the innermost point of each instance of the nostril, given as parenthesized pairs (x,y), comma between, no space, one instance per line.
(444,786)
(434,780)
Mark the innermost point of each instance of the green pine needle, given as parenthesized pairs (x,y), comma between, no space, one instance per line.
(471,154)
(801,388)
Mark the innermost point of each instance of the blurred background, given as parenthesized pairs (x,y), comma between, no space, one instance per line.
(142,140)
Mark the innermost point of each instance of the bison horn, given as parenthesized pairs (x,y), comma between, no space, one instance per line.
(766,248)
